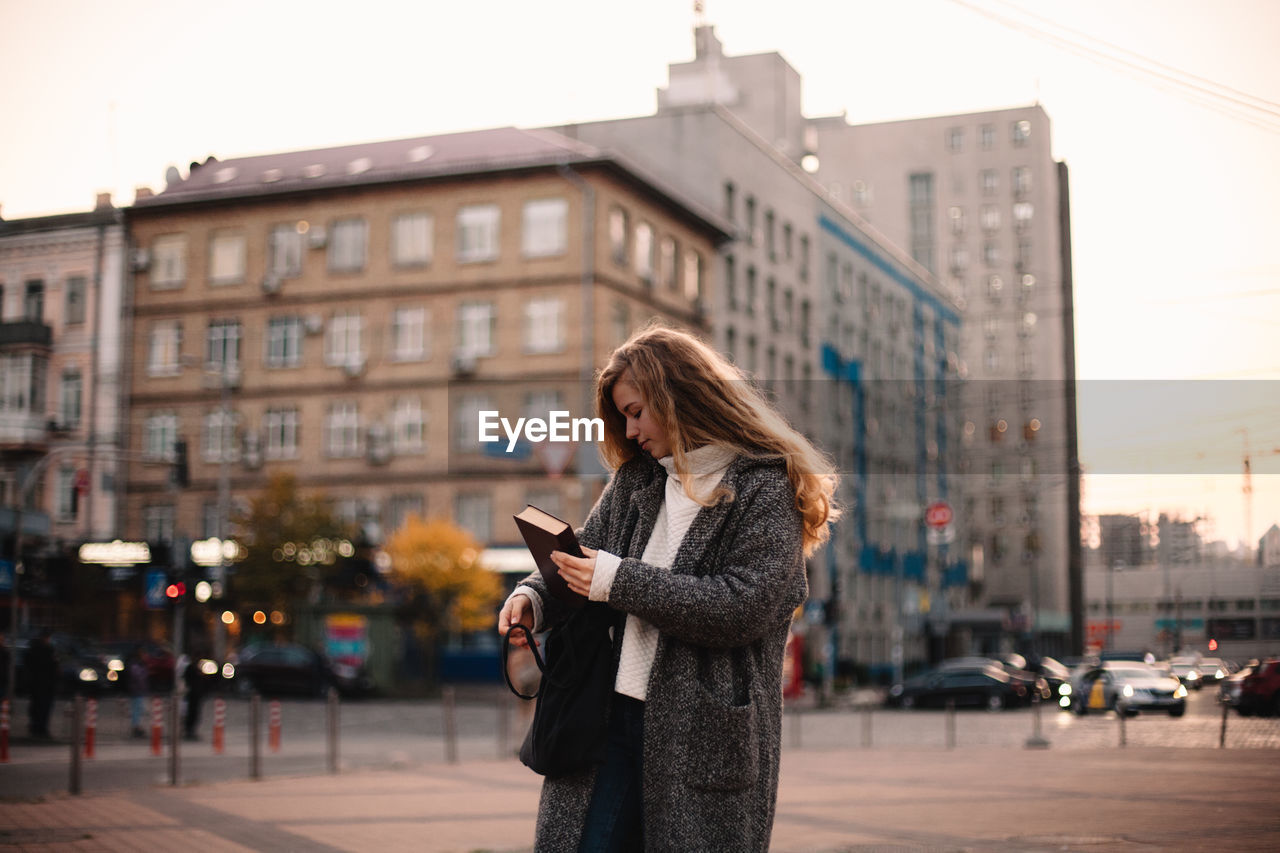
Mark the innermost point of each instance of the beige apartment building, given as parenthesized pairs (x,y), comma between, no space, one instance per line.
(346,314)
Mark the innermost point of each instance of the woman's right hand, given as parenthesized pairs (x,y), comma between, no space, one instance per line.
(517,611)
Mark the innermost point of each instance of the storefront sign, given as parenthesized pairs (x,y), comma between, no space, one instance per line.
(115,553)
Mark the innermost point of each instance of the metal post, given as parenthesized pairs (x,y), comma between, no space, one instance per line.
(1120,714)
(866,727)
(951,724)
(450,726)
(1222,735)
(255,757)
(1037,740)
(77,716)
(332,720)
(175,736)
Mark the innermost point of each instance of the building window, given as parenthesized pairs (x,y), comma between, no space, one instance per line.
(730,203)
(281,425)
(466,424)
(409,334)
(222,351)
(69,396)
(995,285)
(618,228)
(788,247)
(400,508)
(33,301)
(475,329)
(169,261)
(342,430)
(992,360)
(1022,212)
(478,233)
(731,282)
(990,181)
(956,216)
(546,232)
(284,251)
(955,140)
(75,305)
(412,239)
(218,438)
(157,523)
(668,267)
(921,196)
(347,242)
(407,426)
(226,257)
(693,275)
(751,220)
(621,323)
(159,432)
(644,260)
(1021,132)
(68,497)
(475,514)
(804,322)
(804,257)
(990,217)
(547,499)
(990,254)
(284,342)
(544,326)
(540,404)
(164,348)
(987,136)
(750,301)
(1021,181)
(770,238)
(343,346)
(1023,259)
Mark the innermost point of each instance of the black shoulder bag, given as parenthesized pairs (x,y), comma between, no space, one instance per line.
(571,718)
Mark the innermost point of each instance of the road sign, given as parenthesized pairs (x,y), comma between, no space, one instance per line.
(154,598)
(938,514)
(941,535)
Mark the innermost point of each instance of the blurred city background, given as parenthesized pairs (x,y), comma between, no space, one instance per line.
(1011,265)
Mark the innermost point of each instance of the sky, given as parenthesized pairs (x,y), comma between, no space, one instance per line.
(1174,220)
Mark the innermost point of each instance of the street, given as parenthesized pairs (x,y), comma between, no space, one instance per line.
(386,734)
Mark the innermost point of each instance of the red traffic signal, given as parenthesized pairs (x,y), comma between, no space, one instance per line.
(175,590)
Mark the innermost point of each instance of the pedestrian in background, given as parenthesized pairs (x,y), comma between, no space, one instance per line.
(42,678)
(193,680)
(698,543)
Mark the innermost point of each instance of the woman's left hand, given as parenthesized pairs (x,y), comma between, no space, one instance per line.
(576,571)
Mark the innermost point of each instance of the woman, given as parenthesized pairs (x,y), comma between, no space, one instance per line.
(699,543)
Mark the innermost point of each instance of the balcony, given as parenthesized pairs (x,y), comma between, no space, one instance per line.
(20,429)
(25,333)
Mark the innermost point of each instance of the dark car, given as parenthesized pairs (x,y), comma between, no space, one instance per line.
(1260,690)
(280,669)
(983,687)
(1230,688)
(79,670)
(1013,664)
(156,656)
(1130,686)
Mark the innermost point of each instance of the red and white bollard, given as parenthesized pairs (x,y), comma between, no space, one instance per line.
(157,725)
(273,730)
(4,731)
(90,727)
(219,724)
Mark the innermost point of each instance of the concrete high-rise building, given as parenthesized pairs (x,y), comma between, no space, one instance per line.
(979,201)
(1123,541)
(1177,541)
(61,300)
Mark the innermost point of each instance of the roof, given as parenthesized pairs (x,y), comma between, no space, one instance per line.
(60,221)
(418,158)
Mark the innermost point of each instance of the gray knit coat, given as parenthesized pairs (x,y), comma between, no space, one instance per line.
(713,716)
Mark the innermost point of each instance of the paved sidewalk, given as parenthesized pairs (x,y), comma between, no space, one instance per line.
(830,800)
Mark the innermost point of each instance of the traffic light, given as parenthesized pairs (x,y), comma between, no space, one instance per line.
(175,591)
(181,473)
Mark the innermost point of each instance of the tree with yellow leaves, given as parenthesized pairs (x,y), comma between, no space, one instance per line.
(438,563)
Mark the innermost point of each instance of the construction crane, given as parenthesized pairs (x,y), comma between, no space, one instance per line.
(1247,487)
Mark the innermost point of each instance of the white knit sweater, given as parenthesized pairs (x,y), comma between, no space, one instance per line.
(640,639)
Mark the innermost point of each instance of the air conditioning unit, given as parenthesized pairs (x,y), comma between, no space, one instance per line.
(464,364)
(354,367)
(314,324)
(271,284)
(139,260)
(317,237)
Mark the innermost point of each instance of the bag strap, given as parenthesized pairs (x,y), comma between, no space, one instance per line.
(537,659)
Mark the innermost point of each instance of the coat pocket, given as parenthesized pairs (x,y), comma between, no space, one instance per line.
(724,745)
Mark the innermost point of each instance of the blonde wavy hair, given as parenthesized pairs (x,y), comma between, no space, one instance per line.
(700,398)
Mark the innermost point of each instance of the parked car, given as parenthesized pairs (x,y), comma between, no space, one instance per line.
(1014,665)
(1187,670)
(985,687)
(79,670)
(1260,690)
(1230,687)
(1129,686)
(1213,670)
(293,669)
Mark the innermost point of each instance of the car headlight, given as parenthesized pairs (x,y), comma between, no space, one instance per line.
(895,690)
(228,670)
(1219,674)
(1127,691)
(115,665)
(88,674)
(1065,701)
(1180,693)
(1193,676)
(208,667)
(1064,689)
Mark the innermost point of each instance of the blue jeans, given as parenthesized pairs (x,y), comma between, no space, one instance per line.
(615,818)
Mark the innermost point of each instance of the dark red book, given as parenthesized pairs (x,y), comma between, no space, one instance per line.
(544,533)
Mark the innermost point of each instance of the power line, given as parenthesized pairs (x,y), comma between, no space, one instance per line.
(1261,117)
